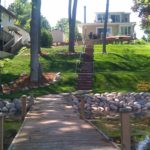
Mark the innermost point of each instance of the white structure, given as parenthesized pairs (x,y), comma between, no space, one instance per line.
(7,18)
(118,24)
(12,37)
(58,36)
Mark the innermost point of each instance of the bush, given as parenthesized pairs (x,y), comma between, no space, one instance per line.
(46,38)
(140,42)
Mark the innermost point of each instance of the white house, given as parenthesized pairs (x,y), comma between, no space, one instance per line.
(12,37)
(118,25)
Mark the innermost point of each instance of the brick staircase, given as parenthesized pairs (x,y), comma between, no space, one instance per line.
(85,73)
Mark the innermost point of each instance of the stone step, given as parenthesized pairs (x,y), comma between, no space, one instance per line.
(84,88)
(85,78)
(84,81)
(89,51)
(84,85)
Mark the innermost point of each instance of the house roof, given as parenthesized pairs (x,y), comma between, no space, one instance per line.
(3,9)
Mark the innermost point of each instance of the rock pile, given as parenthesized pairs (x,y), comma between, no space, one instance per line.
(12,107)
(112,102)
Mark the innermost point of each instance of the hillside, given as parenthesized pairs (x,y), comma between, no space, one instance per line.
(121,69)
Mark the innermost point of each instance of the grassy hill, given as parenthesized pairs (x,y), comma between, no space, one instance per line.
(121,69)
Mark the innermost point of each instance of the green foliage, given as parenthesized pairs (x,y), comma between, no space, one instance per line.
(140,127)
(45,24)
(122,68)
(140,42)
(143,8)
(46,38)
(63,24)
(22,10)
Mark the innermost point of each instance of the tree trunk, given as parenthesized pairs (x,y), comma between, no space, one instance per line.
(72,21)
(105,28)
(34,72)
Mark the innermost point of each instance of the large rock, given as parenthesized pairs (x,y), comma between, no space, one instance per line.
(10,105)
(5,110)
(17,103)
(1,104)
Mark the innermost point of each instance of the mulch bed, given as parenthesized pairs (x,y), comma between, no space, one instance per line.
(24,83)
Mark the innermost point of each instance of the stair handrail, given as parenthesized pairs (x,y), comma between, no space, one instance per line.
(80,55)
(16,46)
(8,44)
(5,34)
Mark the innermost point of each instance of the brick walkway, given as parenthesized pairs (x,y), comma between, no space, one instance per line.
(52,125)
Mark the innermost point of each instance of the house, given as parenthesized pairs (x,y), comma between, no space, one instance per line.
(118,25)
(58,36)
(12,37)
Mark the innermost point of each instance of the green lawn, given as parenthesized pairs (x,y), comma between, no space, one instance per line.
(121,69)
(53,62)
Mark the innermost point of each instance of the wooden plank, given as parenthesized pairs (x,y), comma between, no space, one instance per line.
(125,131)
(24,106)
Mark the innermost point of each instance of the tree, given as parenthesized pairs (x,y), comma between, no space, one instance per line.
(35,73)
(63,24)
(22,10)
(143,8)
(72,8)
(105,27)
(46,38)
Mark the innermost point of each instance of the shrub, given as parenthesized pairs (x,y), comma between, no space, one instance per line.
(140,42)
(46,38)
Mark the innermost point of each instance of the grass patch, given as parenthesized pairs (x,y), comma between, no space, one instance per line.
(52,62)
(140,127)
(11,128)
(122,68)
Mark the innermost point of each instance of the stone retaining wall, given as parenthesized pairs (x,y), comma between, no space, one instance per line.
(112,102)
(12,107)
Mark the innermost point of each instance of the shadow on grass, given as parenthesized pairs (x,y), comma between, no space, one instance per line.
(119,81)
(126,63)
(8,77)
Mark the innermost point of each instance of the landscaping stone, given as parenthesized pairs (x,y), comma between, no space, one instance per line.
(113,102)
(12,107)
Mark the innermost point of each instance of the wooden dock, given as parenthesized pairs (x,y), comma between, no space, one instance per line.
(52,125)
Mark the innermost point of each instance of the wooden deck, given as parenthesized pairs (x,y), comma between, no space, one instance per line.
(52,125)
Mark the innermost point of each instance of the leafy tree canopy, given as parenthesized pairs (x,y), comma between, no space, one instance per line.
(63,24)
(22,10)
(143,8)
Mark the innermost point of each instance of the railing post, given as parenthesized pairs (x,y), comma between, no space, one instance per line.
(82,108)
(24,106)
(125,131)
(1,131)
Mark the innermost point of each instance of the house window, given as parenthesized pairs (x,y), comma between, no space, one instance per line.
(100,18)
(101,30)
(125,18)
(126,30)
(9,19)
(115,18)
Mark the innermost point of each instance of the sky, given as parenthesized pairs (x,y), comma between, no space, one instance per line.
(54,10)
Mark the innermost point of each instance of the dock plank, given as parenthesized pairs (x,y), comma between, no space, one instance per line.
(52,125)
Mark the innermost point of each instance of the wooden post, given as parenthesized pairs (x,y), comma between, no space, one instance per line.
(1,131)
(82,109)
(125,131)
(24,106)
